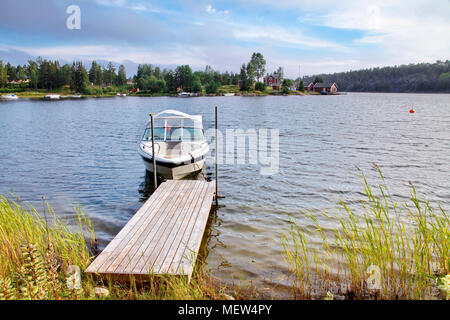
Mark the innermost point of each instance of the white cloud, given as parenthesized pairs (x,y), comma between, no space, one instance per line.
(210,9)
(115,3)
(222,58)
(404,31)
(390,32)
(283,37)
(136,6)
(310,66)
(116,53)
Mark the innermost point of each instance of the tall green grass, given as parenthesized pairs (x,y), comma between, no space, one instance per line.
(405,246)
(36,251)
(20,226)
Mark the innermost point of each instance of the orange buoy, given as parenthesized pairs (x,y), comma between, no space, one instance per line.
(411,111)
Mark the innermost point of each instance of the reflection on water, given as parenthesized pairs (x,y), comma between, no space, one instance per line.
(147,187)
(84,153)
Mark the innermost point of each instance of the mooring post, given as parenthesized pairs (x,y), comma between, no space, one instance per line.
(155,180)
(217,169)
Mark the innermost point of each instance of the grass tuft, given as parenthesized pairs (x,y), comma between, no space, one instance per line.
(37,252)
(384,251)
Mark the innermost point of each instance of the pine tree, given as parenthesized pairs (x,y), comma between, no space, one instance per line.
(32,73)
(122,76)
(3,75)
(93,72)
(250,74)
(80,78)
(243,78)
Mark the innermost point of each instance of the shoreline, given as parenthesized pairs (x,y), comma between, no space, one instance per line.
(65,95)
(33,95)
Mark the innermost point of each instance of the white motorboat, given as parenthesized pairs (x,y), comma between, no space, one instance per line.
(228,94)
(74,96)
(52,97)
(184,94)
(10,96)
(180,144)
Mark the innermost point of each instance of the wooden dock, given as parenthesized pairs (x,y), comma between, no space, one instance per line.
(164,235)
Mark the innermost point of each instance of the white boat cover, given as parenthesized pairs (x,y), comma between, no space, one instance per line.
(174,118)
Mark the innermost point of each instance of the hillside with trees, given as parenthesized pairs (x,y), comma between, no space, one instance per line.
(421,77)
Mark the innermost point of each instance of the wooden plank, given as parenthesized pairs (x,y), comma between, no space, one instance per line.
(175,240)
(155,235)
(192,247)
(181,251)
(154,249)
(112,246)
(133,245)
(181,241)
(164,236)
(138,225)
(154,261)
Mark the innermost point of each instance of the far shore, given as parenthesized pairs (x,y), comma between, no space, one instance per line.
(67,95)
(73,96)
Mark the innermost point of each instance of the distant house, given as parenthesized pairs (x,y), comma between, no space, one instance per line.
(327,87)
(305,87)
(273,80)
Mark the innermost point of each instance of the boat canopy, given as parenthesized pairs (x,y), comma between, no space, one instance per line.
(176,119)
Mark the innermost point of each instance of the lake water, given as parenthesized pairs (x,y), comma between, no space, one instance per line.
(84,153)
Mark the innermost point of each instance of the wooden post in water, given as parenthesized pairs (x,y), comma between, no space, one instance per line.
(217,169)
(155,180)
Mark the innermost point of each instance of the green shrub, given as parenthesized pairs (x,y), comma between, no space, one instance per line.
(260,86)
(197,86)
(211,87)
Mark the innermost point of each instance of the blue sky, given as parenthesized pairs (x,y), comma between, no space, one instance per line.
(317,36)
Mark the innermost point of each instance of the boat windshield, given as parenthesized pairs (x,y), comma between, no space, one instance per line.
(174,134)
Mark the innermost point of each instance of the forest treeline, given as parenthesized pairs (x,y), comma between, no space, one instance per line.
(98,79)
(420,77)
(50,75)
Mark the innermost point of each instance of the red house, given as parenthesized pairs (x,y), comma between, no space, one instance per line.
(273,81)
(326,87)
(310,87)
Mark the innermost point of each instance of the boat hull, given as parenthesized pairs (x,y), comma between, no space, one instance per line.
(9,98)
(174,172)
(52,97)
